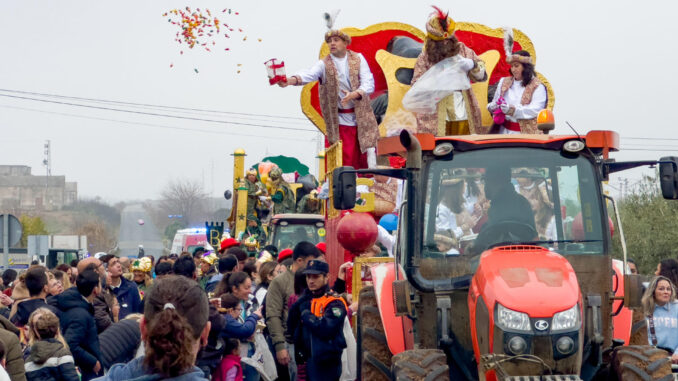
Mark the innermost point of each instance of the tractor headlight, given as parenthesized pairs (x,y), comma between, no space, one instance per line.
(574,146)
(568,320)
(512,320)
(517,345)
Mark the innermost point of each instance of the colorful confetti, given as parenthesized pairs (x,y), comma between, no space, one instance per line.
(202,28)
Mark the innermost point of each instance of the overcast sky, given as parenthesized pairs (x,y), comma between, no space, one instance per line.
(609,63)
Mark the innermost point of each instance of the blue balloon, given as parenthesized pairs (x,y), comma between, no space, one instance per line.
(389,222)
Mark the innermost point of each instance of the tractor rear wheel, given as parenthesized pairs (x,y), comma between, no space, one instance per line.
(420,365)
(374,356)
(641,363)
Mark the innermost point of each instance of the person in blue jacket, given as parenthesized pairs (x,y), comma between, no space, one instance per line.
(124,290)
(235,327)
(661,311)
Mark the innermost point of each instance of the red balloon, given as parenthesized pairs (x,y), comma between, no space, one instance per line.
(357,232)
(578,227)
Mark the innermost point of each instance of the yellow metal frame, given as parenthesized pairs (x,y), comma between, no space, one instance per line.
(357,281)
(334,160)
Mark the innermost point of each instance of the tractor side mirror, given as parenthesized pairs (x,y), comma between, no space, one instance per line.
(343,188)
(633,290)
(668,177)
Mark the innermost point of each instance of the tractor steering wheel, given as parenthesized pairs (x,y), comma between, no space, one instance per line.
(503,232)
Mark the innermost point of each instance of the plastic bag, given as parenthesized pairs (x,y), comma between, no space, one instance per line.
(262,359)
(441,80)
(349,357)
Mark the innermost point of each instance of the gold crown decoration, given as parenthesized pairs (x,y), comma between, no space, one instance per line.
(439,25)
(142,264)
(209,258)
(251,242)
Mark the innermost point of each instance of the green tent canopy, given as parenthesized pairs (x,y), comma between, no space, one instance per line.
(287,164)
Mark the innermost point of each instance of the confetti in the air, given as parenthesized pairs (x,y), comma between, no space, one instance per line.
(202,28)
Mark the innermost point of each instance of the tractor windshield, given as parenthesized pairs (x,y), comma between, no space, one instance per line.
(481,199)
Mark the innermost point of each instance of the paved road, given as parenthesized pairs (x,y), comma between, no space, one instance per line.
(132,234)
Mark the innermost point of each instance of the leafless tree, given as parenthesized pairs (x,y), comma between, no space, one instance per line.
(184,197)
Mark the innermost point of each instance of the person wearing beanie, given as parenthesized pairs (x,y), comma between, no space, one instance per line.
(228,243)
(346,83)
(458,113)
(287,253)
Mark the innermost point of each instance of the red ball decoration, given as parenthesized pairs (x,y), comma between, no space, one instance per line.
(357,232)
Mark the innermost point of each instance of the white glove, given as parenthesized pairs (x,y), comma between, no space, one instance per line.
(505,108)
(492,106)
(372,158)
(467,64)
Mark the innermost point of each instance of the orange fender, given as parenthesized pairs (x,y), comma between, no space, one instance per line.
(398,329)
(621,323)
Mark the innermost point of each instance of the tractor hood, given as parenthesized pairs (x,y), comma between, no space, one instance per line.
(529,279)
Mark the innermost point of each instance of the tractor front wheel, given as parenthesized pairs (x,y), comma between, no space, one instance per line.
(641,363)
(374,356)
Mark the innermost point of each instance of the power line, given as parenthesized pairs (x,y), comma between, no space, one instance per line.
(151,105)
(156,114)
(649,150)
(154,125)
(640,138)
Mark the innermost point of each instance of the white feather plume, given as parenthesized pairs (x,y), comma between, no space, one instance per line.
(508,41)
(330,17)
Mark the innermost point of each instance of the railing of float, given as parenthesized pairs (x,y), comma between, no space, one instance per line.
(333,160)
(357,281)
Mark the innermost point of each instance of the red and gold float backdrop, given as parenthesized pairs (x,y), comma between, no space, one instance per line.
(376,37)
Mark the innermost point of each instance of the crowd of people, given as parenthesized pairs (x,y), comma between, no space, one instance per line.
(203,316)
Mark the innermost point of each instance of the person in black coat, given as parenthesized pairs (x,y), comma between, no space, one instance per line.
(317,322)
(36,283)
(509,218)
(78,325)
(119,343)
(125,291)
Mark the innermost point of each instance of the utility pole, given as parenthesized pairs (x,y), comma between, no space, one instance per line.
(47,162)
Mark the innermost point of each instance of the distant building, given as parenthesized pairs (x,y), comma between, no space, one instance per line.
(21,191)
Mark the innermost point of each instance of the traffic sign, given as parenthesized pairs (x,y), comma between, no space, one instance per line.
(15,230)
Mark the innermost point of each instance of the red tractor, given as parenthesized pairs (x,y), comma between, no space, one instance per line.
(525,290)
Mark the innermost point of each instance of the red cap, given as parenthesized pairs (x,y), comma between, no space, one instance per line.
(228,242)
(321,246)
(284,254)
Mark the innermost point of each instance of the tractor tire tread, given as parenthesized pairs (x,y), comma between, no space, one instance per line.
(374,355)
(641,363)
(420,365)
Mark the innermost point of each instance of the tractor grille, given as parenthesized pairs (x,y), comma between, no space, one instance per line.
(520,248)
(558,377)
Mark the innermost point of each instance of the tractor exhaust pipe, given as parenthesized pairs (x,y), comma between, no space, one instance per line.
(411,144)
